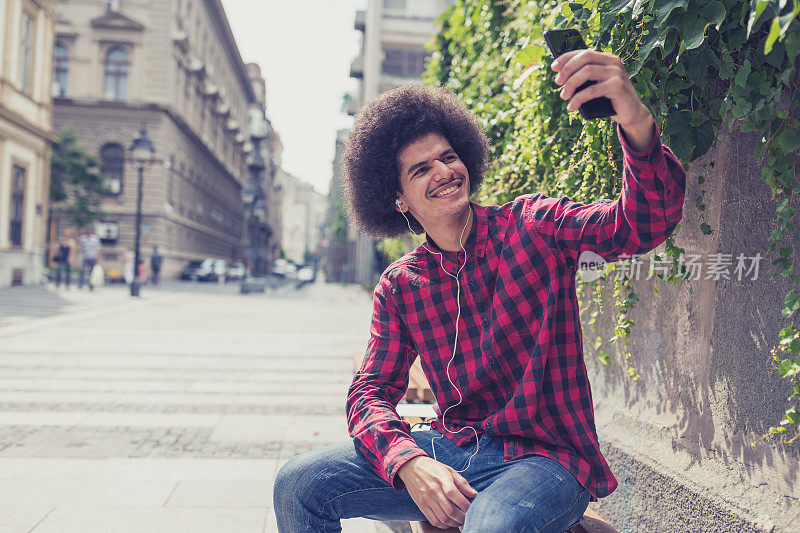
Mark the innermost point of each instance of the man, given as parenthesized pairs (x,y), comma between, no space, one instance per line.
(155,264)
(62,258)
(90,245)
(488,304)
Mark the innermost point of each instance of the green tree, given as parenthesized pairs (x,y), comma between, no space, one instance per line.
(76,184)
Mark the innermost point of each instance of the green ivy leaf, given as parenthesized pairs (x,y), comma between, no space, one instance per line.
(692,27)
(742,74)
(644,52)
(665,7)
(532,53)
(715,13)
(726,67)
(677,122)
(789,140)
(792,44)
(755,15)
(706,229)
(792,304)
(774,32)
(793,416)
(785,20)
(683,142)
(705,138)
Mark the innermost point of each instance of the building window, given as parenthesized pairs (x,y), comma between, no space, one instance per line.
(394,5)
(107,231)
(60,68)
(25,51)
(404,62)
(116,78)
(113,160)
(17,204)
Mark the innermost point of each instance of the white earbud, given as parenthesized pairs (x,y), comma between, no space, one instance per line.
(398,203)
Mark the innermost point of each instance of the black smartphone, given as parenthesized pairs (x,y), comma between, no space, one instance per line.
(561,41)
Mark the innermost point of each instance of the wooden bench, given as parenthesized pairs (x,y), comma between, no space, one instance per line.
(590,523)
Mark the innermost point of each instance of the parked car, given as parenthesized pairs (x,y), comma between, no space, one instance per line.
(205,270)
(284,268)
(236,271)
(305,274)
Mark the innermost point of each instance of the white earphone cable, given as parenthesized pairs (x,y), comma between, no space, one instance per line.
(455,338)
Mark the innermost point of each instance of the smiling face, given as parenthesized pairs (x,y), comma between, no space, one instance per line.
(434,182)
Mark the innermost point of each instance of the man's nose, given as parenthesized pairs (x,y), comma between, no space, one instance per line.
(440,171)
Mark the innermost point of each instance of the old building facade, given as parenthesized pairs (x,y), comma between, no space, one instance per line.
(172,66)
(304,212)
(26,44)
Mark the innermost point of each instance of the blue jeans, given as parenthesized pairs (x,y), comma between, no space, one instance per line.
(86,272)
(316,489)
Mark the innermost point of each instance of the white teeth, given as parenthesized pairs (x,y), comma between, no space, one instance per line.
(447,191)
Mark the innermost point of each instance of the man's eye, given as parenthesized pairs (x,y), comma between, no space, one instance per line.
(419,171)
(450,158)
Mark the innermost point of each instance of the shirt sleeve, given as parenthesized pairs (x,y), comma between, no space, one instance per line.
(378,432)
(646,212)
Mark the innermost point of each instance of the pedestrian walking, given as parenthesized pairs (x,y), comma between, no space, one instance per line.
(142,272)
(127,266)
(62,258)
(155,265)
(488,303)
(90,245)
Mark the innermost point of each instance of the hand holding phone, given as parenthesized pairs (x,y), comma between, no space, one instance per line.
(562,41)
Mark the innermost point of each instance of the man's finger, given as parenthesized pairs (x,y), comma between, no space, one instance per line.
(439,518)
(464,486)
(587,73)
(453,504)
(571,61)
(457,498)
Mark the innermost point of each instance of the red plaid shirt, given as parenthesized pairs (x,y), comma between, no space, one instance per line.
(519,363)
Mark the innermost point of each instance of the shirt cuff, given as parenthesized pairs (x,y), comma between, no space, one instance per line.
(650,153)
(393,462)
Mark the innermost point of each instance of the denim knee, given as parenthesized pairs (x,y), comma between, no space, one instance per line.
(493,519)
(293,481)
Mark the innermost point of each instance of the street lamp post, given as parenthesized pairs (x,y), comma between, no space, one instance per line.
(248,198)
(143,154)
(251,191)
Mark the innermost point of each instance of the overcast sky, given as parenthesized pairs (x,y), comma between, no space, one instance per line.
(304,48)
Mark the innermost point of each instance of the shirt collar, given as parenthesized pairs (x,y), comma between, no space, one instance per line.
(475,244)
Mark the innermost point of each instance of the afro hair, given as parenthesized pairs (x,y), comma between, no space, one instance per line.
(386,125)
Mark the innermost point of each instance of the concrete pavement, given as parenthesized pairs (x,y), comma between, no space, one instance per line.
(171,412)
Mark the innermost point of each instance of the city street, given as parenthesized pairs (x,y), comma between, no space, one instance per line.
(169,413)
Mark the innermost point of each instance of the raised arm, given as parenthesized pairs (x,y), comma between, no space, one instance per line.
(654,182)
(646,212)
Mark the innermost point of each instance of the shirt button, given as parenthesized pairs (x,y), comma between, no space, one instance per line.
(452,269)
(472,283)
(493,362)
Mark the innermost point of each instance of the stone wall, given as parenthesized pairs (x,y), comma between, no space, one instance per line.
(679,440)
